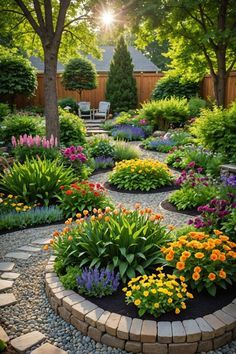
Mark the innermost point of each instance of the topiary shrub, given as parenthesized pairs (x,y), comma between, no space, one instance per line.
(216,130)
(69,102)
(163,113)
(72,129)
(121,85)
(174,86)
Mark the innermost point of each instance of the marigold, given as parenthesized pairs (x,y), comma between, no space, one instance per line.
(186,254)
(211,276)
(197,269)
(177,310)
(129,293)
(196,276)
(180,265)
(214,257)
(222,274)
(146,293)
(222,257)
(169,257)
(137,302)
(169,300)
(124,289)
(199,255)
(218,232)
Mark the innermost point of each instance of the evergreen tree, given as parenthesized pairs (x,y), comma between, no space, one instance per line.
(121,88)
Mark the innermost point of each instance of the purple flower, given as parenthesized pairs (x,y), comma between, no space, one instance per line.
(128,132)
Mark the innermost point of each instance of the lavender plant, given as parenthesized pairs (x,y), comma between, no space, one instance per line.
(128,132)
(98,282)
(102,162)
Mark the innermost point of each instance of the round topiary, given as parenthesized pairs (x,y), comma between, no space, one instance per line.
(141,175)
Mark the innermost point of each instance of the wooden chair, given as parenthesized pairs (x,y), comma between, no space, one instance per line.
(84,110)
(102,111)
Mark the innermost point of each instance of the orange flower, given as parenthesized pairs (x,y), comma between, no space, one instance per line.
(148,210)
(222,257)
(197,269)
(224,238)
(211,276)
(70,238)
(196,276)
(99,216)
(186,254)
(171,227)
(199,255)
(182,259)
(69,192)
(99,211)
(107,218)
(78,215)
(115,212)
(66,229)
(137,205)
(69,221)
(56,233)
(222,274)
(62,187)
(45,247)
(213,257)
(107,209)
(152,218)
(218,232)
(169,257)
(180,265)
(158,217)
(93,217)
(85,212)
(95,210)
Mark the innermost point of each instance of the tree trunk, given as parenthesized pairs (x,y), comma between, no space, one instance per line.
(50,94)
(220,79)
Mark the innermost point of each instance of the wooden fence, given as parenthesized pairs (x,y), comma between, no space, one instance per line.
(145,84)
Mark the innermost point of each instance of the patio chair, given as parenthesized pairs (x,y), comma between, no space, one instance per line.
(102,111)
(84,110)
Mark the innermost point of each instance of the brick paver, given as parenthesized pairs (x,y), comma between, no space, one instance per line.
(48,348)
(26,341)
(112,323)
(5,284)
(192,330)
(124,327)
(3,336)
(18,255)
(149,331)
(10,275)
(179,334)
(7,299)
(81,309)
(164,332)
(6,266)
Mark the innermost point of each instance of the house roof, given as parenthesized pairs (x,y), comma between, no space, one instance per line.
(140,61)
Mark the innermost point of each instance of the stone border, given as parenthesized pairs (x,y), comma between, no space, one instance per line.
(136,335)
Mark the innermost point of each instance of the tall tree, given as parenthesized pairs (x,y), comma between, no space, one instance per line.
(47,27)
(121,88)
(206,30)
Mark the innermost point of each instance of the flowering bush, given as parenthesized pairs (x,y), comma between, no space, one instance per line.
(157,293)
(121,240)
(10,203)
(206,261)
(159,144)
(103,162)
(98,282)
(141,175)
(134,119)
(76,157)
(80,196)
(128,132)
(28,146)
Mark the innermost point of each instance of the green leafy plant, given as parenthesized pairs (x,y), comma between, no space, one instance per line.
(101,146)
(36,181)
(143,175)
(229,225)
(216,130)
(3,345)
(10,203)
(69,280)
(204,260)
(125,151)
(78,197)
(16,125)
(158,293)
(31,217)
(4,110)
(72,129)
(122,240)
(161,114)
(169,86)
(69,102)
(195,105)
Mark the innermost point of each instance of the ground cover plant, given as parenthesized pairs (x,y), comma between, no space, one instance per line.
(122,240)
(103,162)
(158,293)
(204,260)
(81,196)
(128,132)
(143,175)
(125,151)
(36,180)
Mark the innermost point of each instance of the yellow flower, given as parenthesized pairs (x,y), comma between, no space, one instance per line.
(169,301)
(189,295)
(154,291)
(183,305)
(146,293)
(177,310)
(137,302)
(124,289)
(199,255)
(156,305)
(129,293)
(85,212)
(180,296)
(93,218)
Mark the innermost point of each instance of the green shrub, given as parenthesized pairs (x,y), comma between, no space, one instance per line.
(3,345)
(175,86)
(216,130)
(69,102)
(181,137)
(36,181)
(195,105)
(16,125)
(161,114)
(101,146)
(229,225)
(121,240)
(35,216)
(69,280)
(72,129)
(4,110)
(143,175)
(125,151)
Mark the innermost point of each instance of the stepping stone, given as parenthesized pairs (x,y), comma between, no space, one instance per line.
(7,299)
(26,341)
(41,241)
(5,284)
(10,275)
(3,336)
(18,255)
(29,249)
(48,348)
(6,266)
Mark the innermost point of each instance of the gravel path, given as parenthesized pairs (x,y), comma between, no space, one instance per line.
(33,311)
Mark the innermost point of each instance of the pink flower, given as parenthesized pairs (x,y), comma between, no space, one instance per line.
(13,141)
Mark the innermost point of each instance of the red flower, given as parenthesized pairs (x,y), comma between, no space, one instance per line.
(96,194)
(69,192)
(62,187)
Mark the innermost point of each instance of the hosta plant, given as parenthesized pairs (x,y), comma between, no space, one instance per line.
(205,260)
(80,196)
(121,240)
(157,293)
(143,175)
(36,180)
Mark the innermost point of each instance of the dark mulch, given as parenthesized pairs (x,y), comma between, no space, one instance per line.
(111,187)
(170,207)
(201,305)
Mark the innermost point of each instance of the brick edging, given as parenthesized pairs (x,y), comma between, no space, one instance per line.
(136,335)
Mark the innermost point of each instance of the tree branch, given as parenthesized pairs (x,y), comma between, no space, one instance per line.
(48,16)
(231,66)
(39,15)
(75,19)
(64,4)
(29,17)
(209,61)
